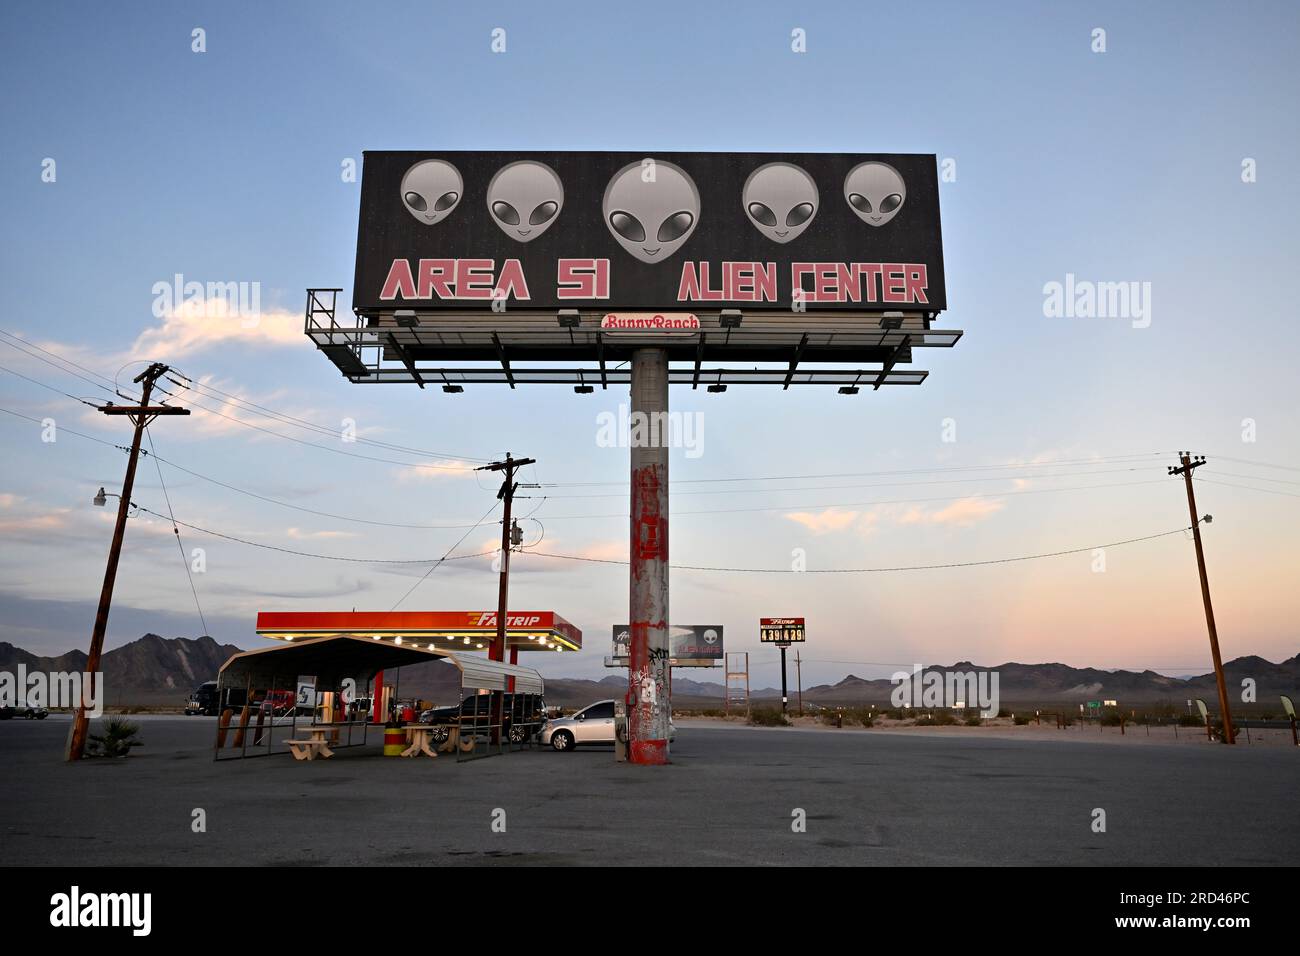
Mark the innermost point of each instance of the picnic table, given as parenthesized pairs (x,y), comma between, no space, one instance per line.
(418,735)
(315,744)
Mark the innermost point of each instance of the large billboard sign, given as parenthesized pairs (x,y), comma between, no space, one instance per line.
(781,630)
(619,232)
(698,645)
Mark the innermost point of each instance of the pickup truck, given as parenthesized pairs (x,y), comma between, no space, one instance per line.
(522,715)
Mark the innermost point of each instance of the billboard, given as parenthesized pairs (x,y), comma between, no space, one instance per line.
(781,630)
(689,645)
(619,232)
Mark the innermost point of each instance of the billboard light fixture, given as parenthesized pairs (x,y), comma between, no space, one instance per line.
(583,389)
(848,390)
(453,389)
(406,318)
(718,387)
(891,321)
(730,318)
(569,319)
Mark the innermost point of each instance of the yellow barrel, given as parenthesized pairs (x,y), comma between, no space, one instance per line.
(394,741)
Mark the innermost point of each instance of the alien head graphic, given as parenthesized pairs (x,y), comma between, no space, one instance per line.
(431,189)
(875,191)
(780,200)
(651,208)
(524,198)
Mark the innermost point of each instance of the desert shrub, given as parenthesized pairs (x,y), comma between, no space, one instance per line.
(766,717)
(1004,712)
(939,718)
(1190,720)
(1111,719)
(1020,720)
(974,721)
(117,739)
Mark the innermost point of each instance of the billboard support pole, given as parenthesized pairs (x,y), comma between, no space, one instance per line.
(648,693)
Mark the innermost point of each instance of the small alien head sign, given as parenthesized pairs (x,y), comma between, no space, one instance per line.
(780,200)
(651,207)
(524,198)
(431,189)
(875,191)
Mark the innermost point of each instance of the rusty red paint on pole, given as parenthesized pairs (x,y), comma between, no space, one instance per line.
(648,696)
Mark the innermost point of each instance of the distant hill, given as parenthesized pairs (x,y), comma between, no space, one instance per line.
(153,670)
(157,671)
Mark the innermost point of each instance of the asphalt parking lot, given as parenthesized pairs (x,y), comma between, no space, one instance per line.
(729,797)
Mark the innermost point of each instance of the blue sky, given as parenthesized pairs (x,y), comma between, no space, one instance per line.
(1115,166)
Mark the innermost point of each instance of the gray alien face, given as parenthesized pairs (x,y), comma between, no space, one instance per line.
(780,200)
(431,189)
(651,219)
(875,191)
(524,198)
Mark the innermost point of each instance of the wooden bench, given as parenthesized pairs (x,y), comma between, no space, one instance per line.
(308,749)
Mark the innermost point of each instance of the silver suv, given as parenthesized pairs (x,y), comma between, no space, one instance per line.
(594,724)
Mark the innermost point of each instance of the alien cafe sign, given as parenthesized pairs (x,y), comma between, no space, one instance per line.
(630,233)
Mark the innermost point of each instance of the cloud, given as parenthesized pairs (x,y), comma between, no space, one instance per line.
(300,535)
(203,323)
(433,471)
(823,522)
(8,501)
(962,513)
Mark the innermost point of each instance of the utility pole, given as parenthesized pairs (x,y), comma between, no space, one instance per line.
(1188,465)
(506,495)
(140,415)
(798,672)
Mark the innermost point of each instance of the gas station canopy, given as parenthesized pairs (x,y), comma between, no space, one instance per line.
(333,658)
(432,630)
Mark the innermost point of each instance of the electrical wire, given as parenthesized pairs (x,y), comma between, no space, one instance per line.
(443,558)
(915,567)
(171,515)
(266,412)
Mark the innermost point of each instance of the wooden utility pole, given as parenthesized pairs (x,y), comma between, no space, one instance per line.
(506,496)
(1188,465)
(140,415)
(798,678)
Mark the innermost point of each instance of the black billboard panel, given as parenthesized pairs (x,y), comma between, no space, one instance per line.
(622,232)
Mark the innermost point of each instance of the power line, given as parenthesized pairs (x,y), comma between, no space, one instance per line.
(426,574)
(303,423)
(307,554)
(21,345)
(1258,464)
(170,514)
(311,444)
(879,474)
(885,484)
(915,567)
(1267,491)
(57,391)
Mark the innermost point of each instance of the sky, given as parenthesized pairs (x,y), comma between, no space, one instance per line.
(128,158)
